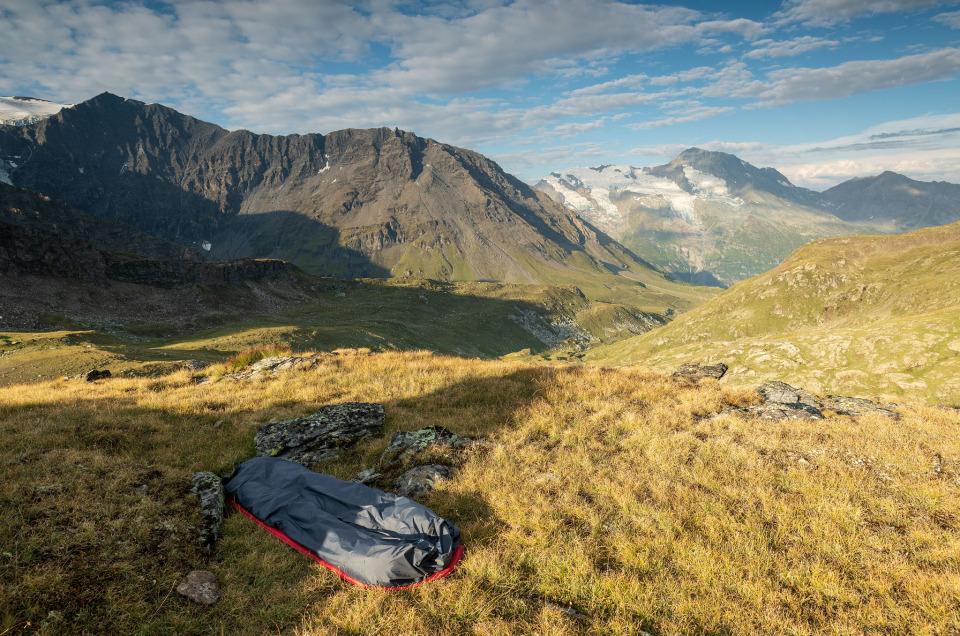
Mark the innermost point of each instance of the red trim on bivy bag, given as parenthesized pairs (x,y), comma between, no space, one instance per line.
(457,554)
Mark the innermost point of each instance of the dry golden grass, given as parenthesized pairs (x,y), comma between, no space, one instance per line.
(618,493)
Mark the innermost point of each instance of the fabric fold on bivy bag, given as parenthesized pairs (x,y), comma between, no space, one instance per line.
(369,537)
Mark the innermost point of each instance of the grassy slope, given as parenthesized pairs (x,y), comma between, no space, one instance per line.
(472,319)
(603,490)
(866,315)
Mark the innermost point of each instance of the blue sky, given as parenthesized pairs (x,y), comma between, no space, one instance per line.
(823,90)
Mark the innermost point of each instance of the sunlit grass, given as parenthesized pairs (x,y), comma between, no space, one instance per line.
(617,493)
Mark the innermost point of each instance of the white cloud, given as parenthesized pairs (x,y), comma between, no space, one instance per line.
(683,117)
(796,46)
(828,12)
(951,19)
(809,84)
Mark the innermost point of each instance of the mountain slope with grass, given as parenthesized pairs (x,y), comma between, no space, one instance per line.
(352,203)
(602,501)
(870,315)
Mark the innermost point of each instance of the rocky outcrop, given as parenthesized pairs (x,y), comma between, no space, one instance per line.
(417,482)
(277,364)
(322,435)
(209,488)
(843,405)
(406,446)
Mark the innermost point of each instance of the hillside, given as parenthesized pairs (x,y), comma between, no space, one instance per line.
(604,501)
(352,203)
(711,217)
(892,198)
(870,315)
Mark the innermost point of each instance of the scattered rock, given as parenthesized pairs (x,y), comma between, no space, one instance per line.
(142,489)
(209,488)
(418,482)
(783,393)
(194,365)
(697,371)
(200,586)
(321,435)
(367,476)
(404,446)
(96,374)
(277,364)
(779,412)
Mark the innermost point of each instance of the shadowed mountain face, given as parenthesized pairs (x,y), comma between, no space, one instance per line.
(892,197)
(712,216)
(351,203)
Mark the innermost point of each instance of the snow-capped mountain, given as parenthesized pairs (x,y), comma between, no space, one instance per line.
(22,111)
(706,216)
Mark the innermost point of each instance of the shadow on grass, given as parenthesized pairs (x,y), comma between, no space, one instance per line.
(102,524)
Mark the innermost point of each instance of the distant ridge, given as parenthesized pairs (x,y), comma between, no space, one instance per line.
(351,203)
(710,216)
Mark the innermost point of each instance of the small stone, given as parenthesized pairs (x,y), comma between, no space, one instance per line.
(194,365)
(200,586)
(418,482)
(367,476)
(142,489)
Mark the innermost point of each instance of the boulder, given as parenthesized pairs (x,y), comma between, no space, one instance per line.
(276,364)
(418,482)
(783,393)
(96,374)
(200,586)
(404,446)
(209,488)
(779,411)
(698,371)
(320,436)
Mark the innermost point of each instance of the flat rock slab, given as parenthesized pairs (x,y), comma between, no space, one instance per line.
(209,488)
(783,393)
(277,364)
(780,412)
(417,482)
(320,436)
(200,586)
(857,406)
(404,446)
(697,371)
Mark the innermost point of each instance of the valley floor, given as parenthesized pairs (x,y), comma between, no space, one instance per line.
(606,501)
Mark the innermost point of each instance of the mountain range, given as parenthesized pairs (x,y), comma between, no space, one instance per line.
(713,218)
(352,203)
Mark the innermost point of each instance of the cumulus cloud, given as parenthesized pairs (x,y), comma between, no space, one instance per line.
(951,19)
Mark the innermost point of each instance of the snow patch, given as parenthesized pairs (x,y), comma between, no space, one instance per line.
(4,175)
(23,111)
(80,169)
(323,169)
(206,245)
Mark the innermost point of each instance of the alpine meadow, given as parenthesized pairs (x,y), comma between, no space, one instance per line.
(510,317)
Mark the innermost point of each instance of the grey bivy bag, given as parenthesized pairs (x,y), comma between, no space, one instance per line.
(368,537)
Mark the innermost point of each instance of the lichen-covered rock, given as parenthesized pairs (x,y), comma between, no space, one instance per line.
(857,406)
(697,371)
(783,393)
(194,365)
(200,586)
(209,488)
(320,436)
(418,482)
(404,446)
(276,364)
